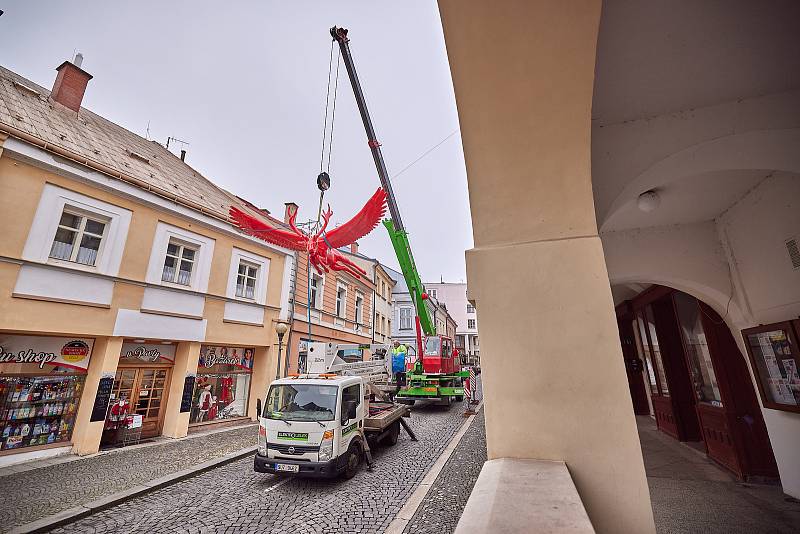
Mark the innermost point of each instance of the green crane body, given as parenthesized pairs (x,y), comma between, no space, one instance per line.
(402,249)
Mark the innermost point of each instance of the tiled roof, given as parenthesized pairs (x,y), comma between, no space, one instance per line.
(24,106)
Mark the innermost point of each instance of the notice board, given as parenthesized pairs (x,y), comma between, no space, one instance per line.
(102,399)
(188,391)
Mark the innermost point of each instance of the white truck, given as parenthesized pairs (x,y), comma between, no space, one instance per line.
(322,424)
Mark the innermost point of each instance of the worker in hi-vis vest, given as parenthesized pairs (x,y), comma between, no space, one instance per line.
(399,352)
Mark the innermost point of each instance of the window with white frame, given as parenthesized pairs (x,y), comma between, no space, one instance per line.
(246,278)
(178,263)
(433,293)
(405,318)
(316,291)
(470,308)
(388,327)
(341,301)
(78,237)
(470,323)
(359,308)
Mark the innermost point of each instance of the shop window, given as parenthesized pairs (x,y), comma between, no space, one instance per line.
(222,387)
(178,263)
(656,351)
(78,238)
(39,396)
(471,324)
(246,280)
(405,318)
(341,301)
(704,381)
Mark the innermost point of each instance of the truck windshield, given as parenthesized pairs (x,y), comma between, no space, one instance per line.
(301,402)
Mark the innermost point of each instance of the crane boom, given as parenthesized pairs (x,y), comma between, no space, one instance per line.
(397,232)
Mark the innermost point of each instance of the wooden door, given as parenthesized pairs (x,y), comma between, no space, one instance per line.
(633,366)
(749,439)
(683,400)
(145,388)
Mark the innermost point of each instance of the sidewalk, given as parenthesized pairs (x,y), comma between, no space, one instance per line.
(691,494)
(42,488)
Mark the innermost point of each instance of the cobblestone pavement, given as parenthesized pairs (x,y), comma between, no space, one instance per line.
(37,493)
(234,498)
(441,509)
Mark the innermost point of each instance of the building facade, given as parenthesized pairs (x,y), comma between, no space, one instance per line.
(454,296)
(128,298)
(384,285)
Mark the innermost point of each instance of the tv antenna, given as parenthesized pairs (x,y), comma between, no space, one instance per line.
(182,142)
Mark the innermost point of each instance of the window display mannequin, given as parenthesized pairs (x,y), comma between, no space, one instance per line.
(205,401)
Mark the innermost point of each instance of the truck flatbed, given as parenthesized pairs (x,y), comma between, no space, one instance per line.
(383,414)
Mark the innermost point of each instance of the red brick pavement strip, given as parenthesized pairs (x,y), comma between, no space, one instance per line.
(73,514)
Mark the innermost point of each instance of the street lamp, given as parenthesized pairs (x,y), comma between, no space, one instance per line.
(281,329)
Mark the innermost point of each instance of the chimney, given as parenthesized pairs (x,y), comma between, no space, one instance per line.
(70,84)
(291,208)
(183,155)
(354,247)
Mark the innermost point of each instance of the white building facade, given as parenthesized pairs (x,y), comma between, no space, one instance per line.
(454,297)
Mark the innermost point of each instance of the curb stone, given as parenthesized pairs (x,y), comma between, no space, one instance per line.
(78,512)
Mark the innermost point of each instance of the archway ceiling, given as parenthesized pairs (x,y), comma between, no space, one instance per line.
(689,199)
(671,76)
(655,58)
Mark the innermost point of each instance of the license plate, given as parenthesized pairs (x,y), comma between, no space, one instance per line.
(287,468)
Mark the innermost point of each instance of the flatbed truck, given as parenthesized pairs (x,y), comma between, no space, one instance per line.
(325,423)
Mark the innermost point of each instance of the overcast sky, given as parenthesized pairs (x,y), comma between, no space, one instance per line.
(245,85)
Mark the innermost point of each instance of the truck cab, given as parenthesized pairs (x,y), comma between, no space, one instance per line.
(312,426)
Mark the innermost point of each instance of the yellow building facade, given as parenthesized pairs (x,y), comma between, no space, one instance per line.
(129,304)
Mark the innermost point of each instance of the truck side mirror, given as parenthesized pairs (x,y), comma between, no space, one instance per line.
(258,408)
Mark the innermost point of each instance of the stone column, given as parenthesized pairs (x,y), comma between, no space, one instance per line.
(554,382)
(104,359)
(176,423)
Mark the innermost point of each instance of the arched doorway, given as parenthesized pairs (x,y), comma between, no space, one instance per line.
(695,378)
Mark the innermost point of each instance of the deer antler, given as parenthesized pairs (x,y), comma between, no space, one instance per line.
(326,216)
(294,228)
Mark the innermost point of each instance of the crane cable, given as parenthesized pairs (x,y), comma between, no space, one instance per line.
(322,166)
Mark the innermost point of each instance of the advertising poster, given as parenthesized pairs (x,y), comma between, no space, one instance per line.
(44,353)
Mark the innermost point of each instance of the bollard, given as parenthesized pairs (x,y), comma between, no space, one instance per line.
(469,390)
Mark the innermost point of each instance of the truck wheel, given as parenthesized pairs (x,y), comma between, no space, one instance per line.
(447,401)
(394,433)
(353,461)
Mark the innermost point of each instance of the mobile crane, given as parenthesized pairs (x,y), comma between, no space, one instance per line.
(436,374)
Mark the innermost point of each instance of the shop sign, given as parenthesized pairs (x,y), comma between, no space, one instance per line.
(211,355)
(148,352)
(64,352)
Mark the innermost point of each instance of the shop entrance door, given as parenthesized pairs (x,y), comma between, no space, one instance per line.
(145,389)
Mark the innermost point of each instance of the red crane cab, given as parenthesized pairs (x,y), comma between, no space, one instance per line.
(439,356)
